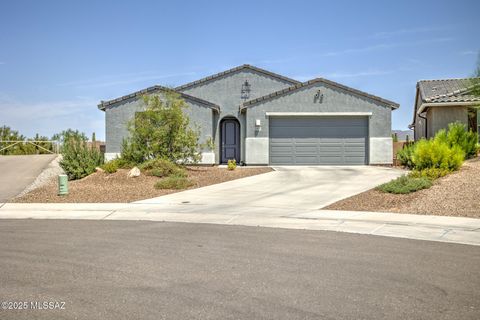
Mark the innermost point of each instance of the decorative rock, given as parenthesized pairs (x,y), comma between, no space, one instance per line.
(135,172)
(98,169)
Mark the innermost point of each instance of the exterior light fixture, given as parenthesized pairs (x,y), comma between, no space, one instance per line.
(318,98)
(258,125)
(245,93)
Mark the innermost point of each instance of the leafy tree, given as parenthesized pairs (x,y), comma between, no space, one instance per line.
(39,147)
(7,134)
(162,131)
(67,134)
(476,78)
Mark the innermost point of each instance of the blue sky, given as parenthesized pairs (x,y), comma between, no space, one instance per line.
(58,59)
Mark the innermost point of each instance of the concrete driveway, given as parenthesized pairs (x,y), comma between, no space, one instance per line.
(285,188)
(18,172)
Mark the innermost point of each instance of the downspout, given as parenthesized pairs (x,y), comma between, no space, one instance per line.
(426,124)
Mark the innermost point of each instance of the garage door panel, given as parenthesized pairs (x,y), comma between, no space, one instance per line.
(301,159)
(318,140)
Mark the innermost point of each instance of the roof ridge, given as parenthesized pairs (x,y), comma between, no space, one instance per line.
(315,80)
(235,69)
(103,104)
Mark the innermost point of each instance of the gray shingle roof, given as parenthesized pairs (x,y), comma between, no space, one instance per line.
(252,102)
(245,66)
(154,89)
(448,90)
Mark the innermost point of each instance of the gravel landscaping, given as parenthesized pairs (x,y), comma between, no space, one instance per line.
(116,187)
(457,194)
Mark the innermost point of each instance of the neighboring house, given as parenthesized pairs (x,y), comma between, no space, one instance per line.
(440,102)
(258,118)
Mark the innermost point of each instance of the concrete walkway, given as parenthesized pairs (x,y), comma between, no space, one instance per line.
(432,228)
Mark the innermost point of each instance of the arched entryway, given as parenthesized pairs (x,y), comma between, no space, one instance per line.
(229,140)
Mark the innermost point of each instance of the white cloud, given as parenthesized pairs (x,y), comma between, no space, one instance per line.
(358,74)
(385,46)
(47,118)
(275,61)
(400,32)
(129,78)
(469,52)
(339,75)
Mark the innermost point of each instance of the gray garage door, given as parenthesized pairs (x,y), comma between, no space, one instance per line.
(318,140)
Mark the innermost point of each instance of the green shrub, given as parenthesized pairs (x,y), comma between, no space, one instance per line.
(163,168)
(405,184)
(435,153)
(79,160)
(232,164)
(111,166)
(174,182)
(431,173)
(405,156)
(467,140)
(124,164)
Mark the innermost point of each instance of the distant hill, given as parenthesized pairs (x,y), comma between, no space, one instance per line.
(402,134)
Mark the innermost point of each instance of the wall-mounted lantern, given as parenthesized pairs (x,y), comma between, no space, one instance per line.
(318,98)
(245,93)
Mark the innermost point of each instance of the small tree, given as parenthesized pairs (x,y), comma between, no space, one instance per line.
(162,131)
(476,78)
(7,134)
(78,159)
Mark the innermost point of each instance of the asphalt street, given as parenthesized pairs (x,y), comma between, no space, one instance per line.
(18,172)
(158,270)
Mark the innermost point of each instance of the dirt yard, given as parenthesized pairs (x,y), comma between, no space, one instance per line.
(457,194)
(116,187)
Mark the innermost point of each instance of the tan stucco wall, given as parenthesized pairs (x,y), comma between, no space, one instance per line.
(439,117)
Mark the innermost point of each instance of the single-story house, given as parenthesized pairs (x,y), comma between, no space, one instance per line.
(261,118)
(441,102)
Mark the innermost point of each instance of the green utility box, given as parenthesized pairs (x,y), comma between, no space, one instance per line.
(62,184)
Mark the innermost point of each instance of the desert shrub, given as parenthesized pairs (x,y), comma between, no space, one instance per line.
(111,166)
(124,164)
(163,168)
(405,184)
(232,164)
(162,131)
(79,160)
(405,156)
(173,182)
(435,153)
(431,173)
(467,140)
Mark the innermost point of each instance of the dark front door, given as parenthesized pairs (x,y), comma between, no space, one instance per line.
(230,148)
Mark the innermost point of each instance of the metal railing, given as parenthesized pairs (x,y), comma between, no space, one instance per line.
(11,143)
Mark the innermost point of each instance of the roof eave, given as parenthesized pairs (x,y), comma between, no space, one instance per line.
(426,105)
(104,104)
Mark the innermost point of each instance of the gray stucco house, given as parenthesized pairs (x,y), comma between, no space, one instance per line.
(440,102)
(261,118)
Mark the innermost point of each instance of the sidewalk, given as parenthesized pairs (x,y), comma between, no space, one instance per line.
(432,228)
